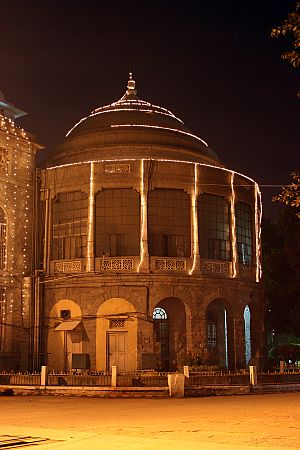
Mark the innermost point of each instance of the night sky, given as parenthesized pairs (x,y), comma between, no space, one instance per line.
(213,64)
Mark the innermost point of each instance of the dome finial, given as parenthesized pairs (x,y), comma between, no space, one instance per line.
(131,86)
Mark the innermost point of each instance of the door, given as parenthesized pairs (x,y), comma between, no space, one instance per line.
(117,350)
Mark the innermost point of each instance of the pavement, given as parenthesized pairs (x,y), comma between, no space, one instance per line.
(270,421)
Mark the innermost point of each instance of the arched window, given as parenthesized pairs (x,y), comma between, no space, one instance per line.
(69,225)
(159,314)
(117,227)
(247,323)
(244,232)
(169,224)
(213,230)
(2,239)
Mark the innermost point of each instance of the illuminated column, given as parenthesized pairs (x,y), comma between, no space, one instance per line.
(90,257)
(194,225)
(233,228)
(46,230)
(258,213)
(144,255)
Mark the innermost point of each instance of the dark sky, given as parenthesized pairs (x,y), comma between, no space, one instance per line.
(213,64)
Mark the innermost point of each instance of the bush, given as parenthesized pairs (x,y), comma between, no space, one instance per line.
(201,360)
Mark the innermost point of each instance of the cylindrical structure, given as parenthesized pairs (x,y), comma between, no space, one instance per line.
(154,247)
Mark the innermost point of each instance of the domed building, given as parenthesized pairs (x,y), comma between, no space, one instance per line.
(147,247)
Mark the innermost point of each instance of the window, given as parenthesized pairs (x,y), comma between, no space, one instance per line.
(213,230)
(117,222)
(243,222)
(70,211)
(211,331)
(169,225)
(2,240)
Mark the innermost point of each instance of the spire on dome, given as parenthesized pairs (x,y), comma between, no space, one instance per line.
(131,90)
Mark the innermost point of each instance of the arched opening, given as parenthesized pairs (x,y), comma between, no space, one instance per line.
(116,335)
(217,333)
(169,323)
(65,335)
(247,325)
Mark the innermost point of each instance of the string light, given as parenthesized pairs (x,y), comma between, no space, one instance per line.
(90,253)
(143,216)
(195,221)
(233,226)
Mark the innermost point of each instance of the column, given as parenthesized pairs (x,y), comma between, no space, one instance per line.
(144,254)
(233,228)
(194,225)
(90,255)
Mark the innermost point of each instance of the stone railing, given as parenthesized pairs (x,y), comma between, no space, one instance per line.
(68,266)
(169,264)
(213,267)
(116,264)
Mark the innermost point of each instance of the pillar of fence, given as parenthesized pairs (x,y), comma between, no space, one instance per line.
(186,371)
(176,384)
(281,366)
(44,375)
(114,376)
(253,375)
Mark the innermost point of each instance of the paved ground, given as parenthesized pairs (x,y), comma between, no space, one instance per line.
(269,421)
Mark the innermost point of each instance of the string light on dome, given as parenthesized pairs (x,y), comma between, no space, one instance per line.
(233,226)
(176,130)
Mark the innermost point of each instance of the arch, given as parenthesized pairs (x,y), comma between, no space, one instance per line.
(62,344)
(116,335)
(247,329)
(170,332)
(219,332)
(3,236)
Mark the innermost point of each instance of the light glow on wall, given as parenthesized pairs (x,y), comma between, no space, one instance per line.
(233,227)
(143,215)
(194,219)
(257,200)
(90,242)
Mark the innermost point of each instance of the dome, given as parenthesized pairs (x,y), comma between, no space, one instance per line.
(146,130)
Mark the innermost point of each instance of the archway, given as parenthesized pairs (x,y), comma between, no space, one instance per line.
(219,332)
(64,335)
(169,329)
(116,335)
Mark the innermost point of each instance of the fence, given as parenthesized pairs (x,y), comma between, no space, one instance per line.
(146,378)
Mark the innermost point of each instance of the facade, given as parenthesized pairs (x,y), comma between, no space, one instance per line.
(146,247)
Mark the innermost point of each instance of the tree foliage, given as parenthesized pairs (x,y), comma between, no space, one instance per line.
(291,27)
(290,194)
(281,264)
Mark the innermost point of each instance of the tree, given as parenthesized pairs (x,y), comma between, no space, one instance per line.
(281,269)
(291,27)
(290,194)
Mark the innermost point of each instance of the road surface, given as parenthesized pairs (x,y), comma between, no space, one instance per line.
(270,421)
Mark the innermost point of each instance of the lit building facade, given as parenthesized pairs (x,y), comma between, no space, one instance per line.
(146,247)
(17,178)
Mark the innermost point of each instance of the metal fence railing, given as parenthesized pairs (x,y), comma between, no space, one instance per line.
(146,379)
